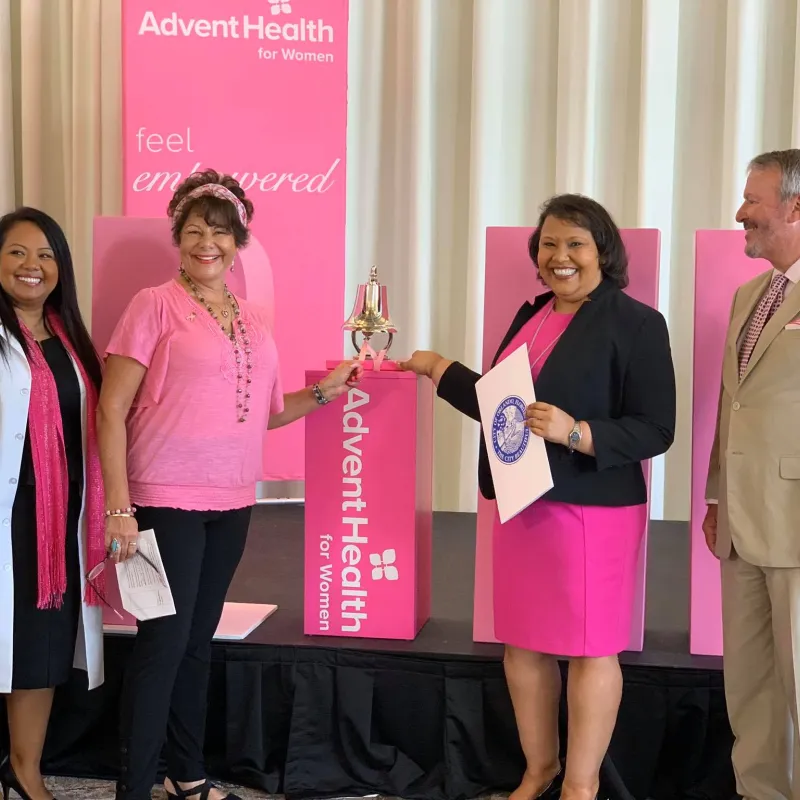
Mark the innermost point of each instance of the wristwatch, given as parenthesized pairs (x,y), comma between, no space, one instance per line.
(575,437)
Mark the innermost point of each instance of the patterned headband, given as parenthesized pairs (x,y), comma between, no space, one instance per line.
(216,190)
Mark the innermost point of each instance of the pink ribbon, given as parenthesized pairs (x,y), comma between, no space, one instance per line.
(377,357)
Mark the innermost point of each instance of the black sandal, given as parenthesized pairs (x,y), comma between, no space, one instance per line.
(202,790)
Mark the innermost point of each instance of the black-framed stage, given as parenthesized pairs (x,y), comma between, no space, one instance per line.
(428,719)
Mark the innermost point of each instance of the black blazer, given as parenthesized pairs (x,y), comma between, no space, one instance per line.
(612,369)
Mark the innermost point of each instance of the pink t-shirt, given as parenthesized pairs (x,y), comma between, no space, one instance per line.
(186,447)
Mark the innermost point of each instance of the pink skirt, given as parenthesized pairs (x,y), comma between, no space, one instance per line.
(565,577)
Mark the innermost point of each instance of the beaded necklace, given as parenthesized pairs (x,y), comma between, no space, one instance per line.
(241,346)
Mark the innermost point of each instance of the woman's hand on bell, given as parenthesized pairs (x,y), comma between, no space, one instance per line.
(339,380)
(422,362)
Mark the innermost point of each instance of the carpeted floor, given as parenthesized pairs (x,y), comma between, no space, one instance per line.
(74,788)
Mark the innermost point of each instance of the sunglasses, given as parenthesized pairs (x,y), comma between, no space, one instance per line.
(94,573)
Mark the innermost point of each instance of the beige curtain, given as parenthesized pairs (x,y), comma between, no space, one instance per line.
(60,115)
(463,114)
(470,113)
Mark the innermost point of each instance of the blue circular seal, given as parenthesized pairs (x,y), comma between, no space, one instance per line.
(510,435)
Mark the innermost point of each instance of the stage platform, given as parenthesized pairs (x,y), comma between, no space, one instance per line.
(429,719)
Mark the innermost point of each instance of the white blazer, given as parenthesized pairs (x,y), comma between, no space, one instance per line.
(15,387)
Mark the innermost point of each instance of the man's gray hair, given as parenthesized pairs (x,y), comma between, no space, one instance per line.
(788,163)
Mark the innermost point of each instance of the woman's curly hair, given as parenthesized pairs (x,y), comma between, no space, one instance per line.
(214,210)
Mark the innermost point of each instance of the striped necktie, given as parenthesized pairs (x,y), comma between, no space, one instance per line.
(768,305)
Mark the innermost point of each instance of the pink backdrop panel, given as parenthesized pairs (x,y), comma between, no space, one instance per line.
(720,268)
(508,264)
(259,90)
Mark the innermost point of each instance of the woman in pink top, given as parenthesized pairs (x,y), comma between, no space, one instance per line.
(191,384)
(565,567)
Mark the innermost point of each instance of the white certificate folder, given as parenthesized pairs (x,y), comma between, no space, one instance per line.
(518,459)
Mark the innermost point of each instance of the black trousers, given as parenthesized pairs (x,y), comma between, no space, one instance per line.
(164,693)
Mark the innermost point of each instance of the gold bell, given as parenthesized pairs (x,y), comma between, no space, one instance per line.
(370,312)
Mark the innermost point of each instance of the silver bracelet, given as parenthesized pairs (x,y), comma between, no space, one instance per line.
(318,396)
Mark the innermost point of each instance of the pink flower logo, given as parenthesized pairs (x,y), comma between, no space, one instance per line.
(280,7)
(383,565)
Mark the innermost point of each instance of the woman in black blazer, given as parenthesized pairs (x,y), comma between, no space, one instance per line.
(565,567)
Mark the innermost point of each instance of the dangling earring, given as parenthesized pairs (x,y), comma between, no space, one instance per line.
(233,264)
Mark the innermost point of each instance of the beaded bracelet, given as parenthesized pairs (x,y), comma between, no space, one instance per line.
(121,512)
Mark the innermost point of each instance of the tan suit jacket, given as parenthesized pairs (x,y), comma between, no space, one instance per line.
(754,469)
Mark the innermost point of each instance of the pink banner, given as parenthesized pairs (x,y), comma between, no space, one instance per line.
(508,264)
(720,268)
(257,89)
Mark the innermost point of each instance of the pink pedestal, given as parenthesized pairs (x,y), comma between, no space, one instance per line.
(368,508)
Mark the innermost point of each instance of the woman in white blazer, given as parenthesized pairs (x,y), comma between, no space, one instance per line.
(51,493)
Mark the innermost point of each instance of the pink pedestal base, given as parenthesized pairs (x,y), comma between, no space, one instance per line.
(368,510)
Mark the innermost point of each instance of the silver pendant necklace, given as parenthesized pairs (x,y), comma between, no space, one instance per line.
(536,336)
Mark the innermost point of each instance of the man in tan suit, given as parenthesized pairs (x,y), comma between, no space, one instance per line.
(753,519)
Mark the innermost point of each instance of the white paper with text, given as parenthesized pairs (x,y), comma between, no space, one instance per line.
(517,457)
(144,592)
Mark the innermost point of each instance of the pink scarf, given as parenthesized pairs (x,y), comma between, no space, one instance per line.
(52,481)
